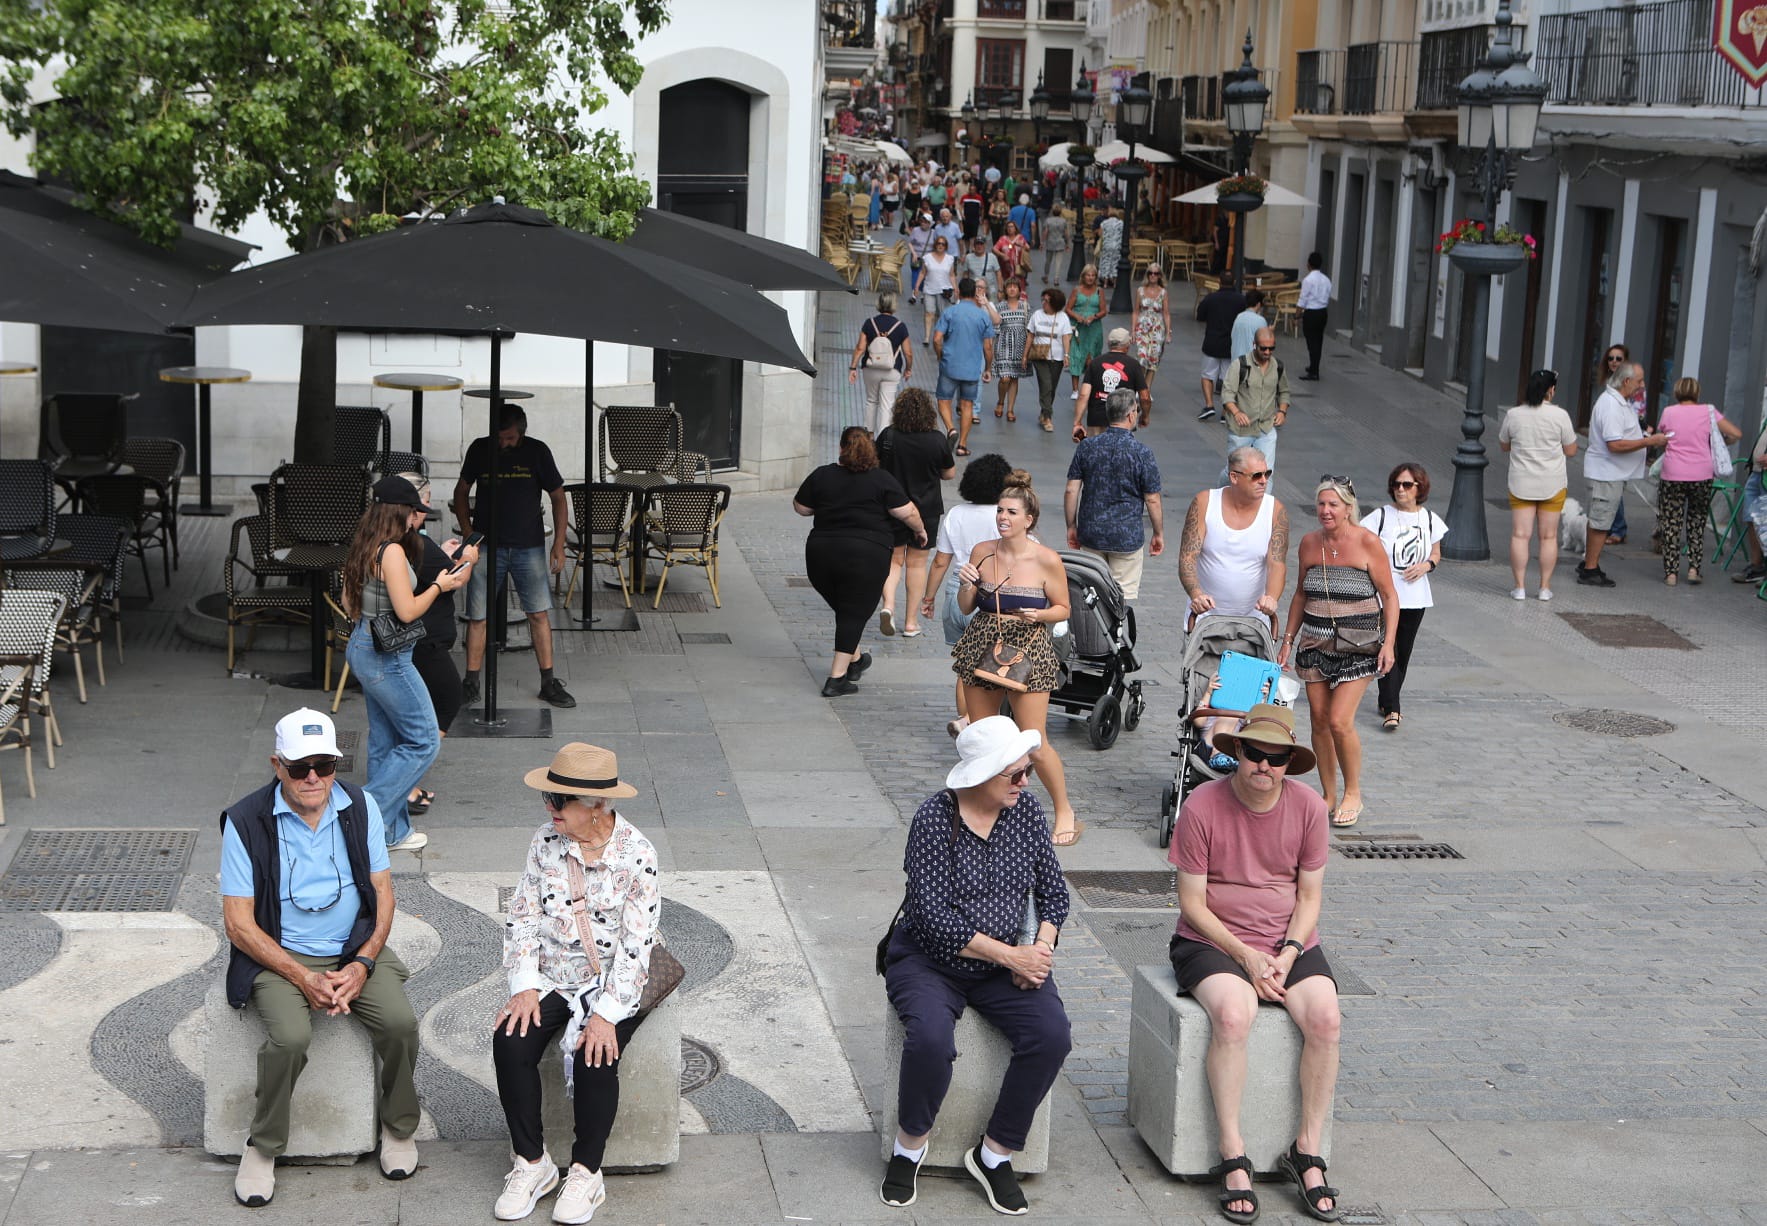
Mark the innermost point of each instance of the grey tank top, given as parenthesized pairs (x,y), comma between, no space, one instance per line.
(375,600)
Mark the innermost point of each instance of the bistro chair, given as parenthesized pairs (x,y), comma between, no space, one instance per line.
(130,500)
(27,509)
(338,628)
(639,443)
(316,504)
(79,625)
(160,462)
(1142,252)
(395,462)
(602,514)
(27,646)
(258,590)
(84,433)
(362,436)
(96,544)
(681,529)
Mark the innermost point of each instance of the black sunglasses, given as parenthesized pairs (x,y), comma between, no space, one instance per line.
(1263,474)
(1404,485)
(1275,757)
(1337,480)
(325,768)
(1265,348)
(1017,777)
(556,801)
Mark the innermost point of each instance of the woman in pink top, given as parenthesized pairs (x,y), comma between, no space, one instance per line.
(1685,497)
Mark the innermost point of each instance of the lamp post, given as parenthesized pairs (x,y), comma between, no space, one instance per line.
(1499,111)
(1039,107)
(1244,101)
(1080,107)
(1134,105)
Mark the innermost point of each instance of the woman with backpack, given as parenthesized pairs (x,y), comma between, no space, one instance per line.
(885,353)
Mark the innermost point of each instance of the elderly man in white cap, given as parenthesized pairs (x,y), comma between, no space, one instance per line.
(976,851)
(1251,850)
(307,899)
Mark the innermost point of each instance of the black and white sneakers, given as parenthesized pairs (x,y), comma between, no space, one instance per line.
(900,1182)
(999,1183)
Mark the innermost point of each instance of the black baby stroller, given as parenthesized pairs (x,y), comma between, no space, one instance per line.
(1097,653)
(1205,644)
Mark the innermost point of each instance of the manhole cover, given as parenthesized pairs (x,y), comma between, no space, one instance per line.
(703,636)
(1613,723)
(1626,630)
(97,870)
(1372,850)
(1107,888)
(699,1065)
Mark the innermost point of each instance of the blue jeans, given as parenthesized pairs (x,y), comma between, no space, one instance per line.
(403,739)
(962,390)
(1265,442)
(527,569)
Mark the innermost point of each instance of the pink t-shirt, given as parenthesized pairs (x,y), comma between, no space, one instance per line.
(1253,860)
(1689,455)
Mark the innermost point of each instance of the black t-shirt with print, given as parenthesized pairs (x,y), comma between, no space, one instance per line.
(1105,374)
(525,473)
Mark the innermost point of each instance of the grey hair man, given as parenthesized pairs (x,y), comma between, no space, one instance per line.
(1112,480)
(1254,398)
(1615,456)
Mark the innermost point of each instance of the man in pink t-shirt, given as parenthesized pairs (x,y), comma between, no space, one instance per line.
(1250,851)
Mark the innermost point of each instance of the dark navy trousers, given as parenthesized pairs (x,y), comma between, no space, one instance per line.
(929,999)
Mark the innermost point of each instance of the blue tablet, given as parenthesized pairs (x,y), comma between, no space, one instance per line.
(1245,682)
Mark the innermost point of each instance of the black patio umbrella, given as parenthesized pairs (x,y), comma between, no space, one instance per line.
(749,258)
(500,269)
(60,274)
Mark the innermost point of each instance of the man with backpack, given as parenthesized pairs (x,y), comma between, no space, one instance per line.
(1254,399)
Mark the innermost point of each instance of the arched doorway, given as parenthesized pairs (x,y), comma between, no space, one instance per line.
(703,172)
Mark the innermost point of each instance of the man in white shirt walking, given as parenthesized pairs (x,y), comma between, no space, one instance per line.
(1315,299)
(1615,456)
(1233,556)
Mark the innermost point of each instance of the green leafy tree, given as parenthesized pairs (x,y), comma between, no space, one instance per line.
(333,117)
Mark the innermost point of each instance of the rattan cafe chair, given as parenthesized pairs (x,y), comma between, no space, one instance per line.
(27,645)
(601,531)
(681,529)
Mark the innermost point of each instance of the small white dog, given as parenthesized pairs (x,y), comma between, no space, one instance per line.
(1573,528)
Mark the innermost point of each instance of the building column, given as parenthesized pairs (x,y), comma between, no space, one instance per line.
(1623,265)
(1557,255)
(1700,285)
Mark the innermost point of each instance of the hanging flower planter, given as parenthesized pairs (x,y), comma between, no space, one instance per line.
(1241,193)
(1479,251)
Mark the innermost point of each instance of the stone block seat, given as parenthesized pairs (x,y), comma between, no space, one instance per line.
(982,1056)
(647,1130)
(1169,1102)
(332,1113)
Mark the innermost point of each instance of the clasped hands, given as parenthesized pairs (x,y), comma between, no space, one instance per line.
(332,991)
(1030,964)
(1269,972)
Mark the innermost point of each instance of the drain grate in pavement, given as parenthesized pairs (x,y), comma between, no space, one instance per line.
(1374,850)
(1613,723)
(700,1065)
(1626,630)
(682,602)
(704,636)
(797,581)
(1362,1215)
(1108,888)
(97,870)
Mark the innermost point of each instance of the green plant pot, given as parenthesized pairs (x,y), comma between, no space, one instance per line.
(1240,202)
(1488,259)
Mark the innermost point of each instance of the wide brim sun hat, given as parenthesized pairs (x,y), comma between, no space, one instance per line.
(582,770)
(1272,727)
(987,747)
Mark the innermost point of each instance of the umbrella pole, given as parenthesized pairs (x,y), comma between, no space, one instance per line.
(623,619)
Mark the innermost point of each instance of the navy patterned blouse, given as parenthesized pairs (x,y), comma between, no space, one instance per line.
(957,888)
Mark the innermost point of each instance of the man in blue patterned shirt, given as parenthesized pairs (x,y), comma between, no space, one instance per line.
(1111,480)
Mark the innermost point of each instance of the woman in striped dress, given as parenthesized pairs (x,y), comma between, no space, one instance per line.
(1342,625)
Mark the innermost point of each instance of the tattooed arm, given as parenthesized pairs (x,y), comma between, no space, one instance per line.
(1190,550)
(1275,561)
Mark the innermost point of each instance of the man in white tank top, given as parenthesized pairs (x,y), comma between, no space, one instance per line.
(1233,557)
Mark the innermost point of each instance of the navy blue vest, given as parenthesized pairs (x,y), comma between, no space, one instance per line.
(255,819)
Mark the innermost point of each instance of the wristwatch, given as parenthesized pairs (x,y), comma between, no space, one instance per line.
(366,961)
(1288,941)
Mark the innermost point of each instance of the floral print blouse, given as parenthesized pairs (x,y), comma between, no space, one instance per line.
(541,949)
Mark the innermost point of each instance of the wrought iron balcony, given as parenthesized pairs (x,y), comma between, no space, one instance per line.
(1445,57)
(1061,10)
(1639,55)
(1001,10)
(1318,81)
(1377,77)
(1202,97)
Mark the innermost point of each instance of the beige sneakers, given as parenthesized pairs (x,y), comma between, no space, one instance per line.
(398,1156)
(523,1187)
(256,1182)
(582,1195)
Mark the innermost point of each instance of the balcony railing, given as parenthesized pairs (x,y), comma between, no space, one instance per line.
(1202,97)
(1377,77)
(1001,10)
(1644,55)
(1318,82)
(1061,10)
(1445,57)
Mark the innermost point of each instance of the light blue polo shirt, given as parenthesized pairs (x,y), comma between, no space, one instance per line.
(309,877)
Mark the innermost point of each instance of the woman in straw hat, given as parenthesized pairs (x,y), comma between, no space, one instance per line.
(977,850)
(589,989)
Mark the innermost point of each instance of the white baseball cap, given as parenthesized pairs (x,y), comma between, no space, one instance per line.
(304,733)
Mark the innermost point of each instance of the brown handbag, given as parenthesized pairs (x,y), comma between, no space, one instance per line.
(1008,667)
(1354,640)
(666,971)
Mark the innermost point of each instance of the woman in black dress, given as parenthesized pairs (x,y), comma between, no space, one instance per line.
(847,556)
(918,455)
(432,656)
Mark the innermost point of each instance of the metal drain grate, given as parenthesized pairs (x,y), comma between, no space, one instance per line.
(704,636)
(1372,850)
(1111,888)
(1626,630)
(1362,1215)
(682,602)
(97,870)
(1613,723)
(797,581)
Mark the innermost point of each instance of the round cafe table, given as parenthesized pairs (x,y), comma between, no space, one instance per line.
(204,377)
(417,384)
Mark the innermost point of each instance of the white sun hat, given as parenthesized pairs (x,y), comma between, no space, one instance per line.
(987,747)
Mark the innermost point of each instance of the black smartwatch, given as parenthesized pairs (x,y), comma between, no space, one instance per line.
(1287,942)
(366,961)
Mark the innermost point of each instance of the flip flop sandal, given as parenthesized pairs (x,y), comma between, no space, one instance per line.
(1341,817)
(963,451)
(998,410)
(913,634)
(1391,723)
(1229,1196)
(1067,838)
(1011,416)
(425,799)
(1293,1165)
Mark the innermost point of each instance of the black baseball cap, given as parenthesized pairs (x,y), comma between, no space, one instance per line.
(398,492)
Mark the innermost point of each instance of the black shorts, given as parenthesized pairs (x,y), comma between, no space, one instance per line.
(1195,961)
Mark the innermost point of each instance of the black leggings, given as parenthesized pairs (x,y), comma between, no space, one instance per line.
(849,575)
(595,1095)
(434,662)
(1403,641)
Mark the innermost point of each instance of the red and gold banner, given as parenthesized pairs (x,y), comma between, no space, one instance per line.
(1739,32)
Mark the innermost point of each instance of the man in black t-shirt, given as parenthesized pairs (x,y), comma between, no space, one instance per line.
(1107,372)
(1217,311)
(525,473)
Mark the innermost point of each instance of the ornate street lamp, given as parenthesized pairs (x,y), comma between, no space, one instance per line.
(1039,107)
(1499,112)
(1080,103)
(1134,106)
(1244,100)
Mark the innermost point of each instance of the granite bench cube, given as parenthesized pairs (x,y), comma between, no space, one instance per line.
(1169,1101)
(647,1130)
(332,1112)
(982,1056)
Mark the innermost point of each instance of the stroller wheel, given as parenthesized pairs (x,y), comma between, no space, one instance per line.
(1137,704)
(1168,812)
(1105,721)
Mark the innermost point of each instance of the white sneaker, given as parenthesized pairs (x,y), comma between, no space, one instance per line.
(1545,593)
(255,1183)
(1520,593)
(581,1196)
(414,841)
(1074,395)
(523,1187)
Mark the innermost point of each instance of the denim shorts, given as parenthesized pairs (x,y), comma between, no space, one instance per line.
(526,569)
(958,389)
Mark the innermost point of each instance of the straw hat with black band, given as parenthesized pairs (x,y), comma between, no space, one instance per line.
(1268,726)
(582,770)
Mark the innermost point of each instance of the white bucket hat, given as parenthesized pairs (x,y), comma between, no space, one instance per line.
(986,748)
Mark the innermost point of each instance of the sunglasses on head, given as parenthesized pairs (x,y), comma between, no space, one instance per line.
(1263,474)
(1337,480)
(1275,757)
(325,768)
(1017,777)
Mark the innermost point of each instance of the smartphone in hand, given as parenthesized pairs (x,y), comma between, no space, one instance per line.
(476,538)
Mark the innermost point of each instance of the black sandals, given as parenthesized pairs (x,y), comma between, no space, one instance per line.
(1293,1165)
(1230,1195)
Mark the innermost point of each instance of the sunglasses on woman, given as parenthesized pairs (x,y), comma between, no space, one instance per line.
(1275,757)
(1017,777)
(556,801)
(1404,485)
